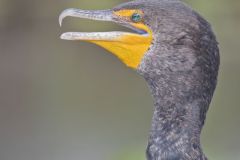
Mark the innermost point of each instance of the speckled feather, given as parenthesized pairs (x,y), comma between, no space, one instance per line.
(181,68)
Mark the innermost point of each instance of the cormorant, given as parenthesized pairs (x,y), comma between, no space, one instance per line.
(176,52)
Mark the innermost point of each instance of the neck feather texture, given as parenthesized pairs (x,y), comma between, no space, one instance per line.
(181,69)
(179,113)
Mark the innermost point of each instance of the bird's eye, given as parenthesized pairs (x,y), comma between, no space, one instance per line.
(136,17)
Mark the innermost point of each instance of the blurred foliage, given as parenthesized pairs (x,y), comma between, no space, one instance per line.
(69,100)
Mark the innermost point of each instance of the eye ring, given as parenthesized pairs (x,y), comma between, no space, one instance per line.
(136,17)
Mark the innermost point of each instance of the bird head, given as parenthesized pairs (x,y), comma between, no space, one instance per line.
(165,34)
(129,47)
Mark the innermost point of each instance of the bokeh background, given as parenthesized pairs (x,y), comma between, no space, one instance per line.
(62,100)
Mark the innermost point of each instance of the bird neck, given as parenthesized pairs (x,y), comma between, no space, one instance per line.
(177,120)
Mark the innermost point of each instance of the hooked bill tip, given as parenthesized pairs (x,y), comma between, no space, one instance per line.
(60,19)
(64,14)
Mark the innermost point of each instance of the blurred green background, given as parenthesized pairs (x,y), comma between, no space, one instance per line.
(62,100)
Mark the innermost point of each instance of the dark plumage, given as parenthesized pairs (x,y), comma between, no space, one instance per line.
(181,68)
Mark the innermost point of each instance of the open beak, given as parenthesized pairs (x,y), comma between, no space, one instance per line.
(100,15)
(128,46)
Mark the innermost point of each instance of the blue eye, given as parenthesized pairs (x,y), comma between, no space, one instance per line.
(136,17)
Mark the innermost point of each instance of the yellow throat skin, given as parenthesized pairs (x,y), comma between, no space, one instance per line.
(128,47)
